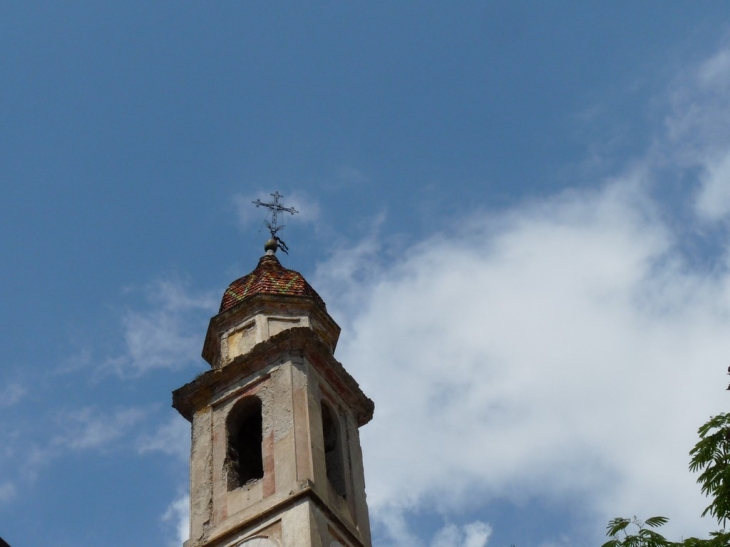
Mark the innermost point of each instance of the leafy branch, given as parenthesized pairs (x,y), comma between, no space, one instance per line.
(711,457)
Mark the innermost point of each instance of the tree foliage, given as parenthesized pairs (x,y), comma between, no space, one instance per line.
(711,457)
(642,537)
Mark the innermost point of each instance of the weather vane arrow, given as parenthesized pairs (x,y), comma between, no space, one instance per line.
(276,208)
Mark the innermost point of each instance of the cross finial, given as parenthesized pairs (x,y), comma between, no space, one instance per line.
(275,207)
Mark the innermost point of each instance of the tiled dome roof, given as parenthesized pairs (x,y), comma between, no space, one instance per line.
(269,277)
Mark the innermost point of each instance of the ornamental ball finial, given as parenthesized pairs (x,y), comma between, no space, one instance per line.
(270,246)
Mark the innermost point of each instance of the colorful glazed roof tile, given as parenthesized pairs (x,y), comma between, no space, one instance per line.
(269,277)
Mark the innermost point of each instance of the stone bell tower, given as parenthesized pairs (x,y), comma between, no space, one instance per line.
(275,458)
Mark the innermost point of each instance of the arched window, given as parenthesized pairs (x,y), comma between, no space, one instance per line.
(333,450)
(244,460)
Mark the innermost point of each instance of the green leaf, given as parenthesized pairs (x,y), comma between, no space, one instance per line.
(617,525)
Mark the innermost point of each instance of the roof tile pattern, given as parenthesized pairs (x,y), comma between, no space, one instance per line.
(269,277)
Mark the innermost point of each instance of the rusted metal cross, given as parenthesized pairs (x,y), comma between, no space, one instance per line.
(275,207)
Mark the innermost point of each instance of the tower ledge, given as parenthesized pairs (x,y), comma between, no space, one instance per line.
(211,384)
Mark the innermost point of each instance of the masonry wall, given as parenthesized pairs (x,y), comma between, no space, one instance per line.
(291,392)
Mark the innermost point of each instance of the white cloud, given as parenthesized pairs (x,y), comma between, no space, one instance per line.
(89,428)
(178,514)
(68,431)
(714,73)
(697,137)
(560,351)
(166,335)
(355,266)
(563,351)
(7,492)
(713,201)
(397,531)
(11,394)
(475,534)
(171,438)
(350,176)
(308,209)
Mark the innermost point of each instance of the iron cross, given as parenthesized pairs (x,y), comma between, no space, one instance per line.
(275,207)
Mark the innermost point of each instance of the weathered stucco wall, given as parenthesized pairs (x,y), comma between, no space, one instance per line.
(282,357)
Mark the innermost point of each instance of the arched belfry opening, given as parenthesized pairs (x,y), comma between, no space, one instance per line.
(244,428)
(333,457)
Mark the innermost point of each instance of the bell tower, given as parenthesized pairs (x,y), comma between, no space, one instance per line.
(275,457)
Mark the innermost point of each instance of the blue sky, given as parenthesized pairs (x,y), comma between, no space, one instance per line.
(517,211)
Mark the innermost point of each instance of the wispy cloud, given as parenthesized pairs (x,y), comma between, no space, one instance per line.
(11,394)
(399,534)
(359,265)
(475,534)
(165,334)
(65,432)
(178,515)
(89,428)
(350,176)
(171,438)
(697,136)
(7,492)
(713,200)
(162,332)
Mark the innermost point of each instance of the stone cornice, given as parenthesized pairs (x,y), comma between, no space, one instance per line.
(299,340)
